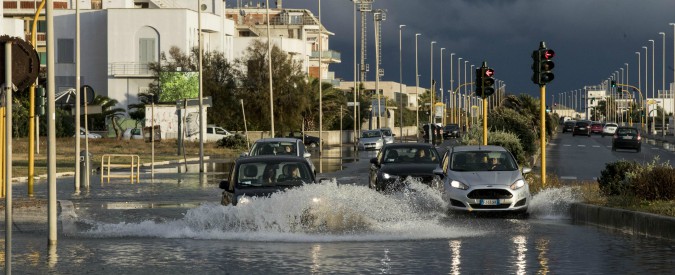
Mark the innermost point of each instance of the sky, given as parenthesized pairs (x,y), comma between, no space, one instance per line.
(591,38)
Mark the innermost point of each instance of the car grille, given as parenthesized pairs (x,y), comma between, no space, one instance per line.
(490,194)
(501,206)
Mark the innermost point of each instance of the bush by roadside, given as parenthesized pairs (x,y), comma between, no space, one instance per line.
(233,142)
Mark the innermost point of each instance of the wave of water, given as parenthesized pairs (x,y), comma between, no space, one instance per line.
(323,212)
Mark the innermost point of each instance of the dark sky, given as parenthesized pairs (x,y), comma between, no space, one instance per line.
(591,38)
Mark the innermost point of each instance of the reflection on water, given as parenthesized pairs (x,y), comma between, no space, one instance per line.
(455,247)
(520,244)
(385,266)
(316,259)
(542,248)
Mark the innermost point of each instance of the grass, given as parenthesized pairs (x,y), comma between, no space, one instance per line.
(165,150)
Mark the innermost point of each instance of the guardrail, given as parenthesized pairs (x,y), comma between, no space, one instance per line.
(107,165)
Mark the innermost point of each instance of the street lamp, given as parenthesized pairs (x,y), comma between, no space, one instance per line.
(417,86)
(646,86)
(452,102)
(673,87)
(466,121)
(653,90)
(442,112)
(400,75)
(320,86)
(431,85)
(663,84)
(459,92)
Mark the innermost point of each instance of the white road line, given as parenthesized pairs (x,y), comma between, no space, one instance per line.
(567,145)
(580,145)
(553,144)
(608,146)
(596,146)
(568,178)
(655,148)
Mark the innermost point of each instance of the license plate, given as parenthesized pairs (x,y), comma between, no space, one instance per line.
(582,128)
(627,137)
(489,202)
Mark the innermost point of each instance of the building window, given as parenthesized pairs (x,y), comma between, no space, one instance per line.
(66,51)
(146,50)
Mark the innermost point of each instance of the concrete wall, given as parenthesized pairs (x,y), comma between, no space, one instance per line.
(630,222)
(332,138)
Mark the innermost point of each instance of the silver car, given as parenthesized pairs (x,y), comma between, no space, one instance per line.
(388,135)
(483,178)
(371,140)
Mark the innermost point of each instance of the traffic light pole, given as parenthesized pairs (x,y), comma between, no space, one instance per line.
(542,113)
(485,131)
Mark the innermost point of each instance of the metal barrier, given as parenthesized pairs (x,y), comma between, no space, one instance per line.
(106,163)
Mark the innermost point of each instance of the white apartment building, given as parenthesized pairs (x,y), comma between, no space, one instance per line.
(388,89)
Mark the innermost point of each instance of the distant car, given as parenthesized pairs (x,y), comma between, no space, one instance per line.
(568,126)
(310,141)
(388,135)
(627,138)
(215,133)
(609,129)
(596,128)
(133,133)
(280,147)
(371,140)
(437,132)
(582,128)
(483,178)
(451,130)
(395,162)
(263,175)
(88,135)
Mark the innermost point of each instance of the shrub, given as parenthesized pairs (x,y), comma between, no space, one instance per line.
(508,120)
(613,179)
(511,142)
(233,142)
(656,184)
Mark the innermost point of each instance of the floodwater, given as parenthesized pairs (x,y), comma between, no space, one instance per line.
(174,224)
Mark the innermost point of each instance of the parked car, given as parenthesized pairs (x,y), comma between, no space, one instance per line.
(133,133)
(451,130)
(596,128)
(568,126)
(215,133)
(436,130)
(395,162)
(609,129)
(483,179)
(263,175)
(371,140)
(310,141)
(280,147)
(88,135)
(582,128)
(627,138)
(388,135)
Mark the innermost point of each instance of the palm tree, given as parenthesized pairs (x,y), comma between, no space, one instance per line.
(110,113)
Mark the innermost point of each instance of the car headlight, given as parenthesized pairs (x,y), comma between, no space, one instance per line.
(458,185)
(243,200)
(389,176)
(316,200)
(518,184)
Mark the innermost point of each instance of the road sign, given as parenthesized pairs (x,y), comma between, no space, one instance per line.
(25,62)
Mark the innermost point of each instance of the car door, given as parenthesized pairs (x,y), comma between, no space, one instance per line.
(374,167)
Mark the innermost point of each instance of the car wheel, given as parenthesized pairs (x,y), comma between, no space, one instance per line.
(638,149)
(313,145)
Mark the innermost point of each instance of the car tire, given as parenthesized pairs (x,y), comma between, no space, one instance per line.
(638,149)
(313,145)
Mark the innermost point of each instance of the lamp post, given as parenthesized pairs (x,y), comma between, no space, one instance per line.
(646,86)
(653,90)
(672,92)
(442,112)
(432,91)
(473,88)
(663,84)
(269,65)
(452,102)
(320,84)
(459,92)
(620,92)
(465,102)
(355,85)
(417,86)
(640,88)
(400,77)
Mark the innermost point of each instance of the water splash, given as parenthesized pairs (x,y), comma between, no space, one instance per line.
(317,212)
(553,203)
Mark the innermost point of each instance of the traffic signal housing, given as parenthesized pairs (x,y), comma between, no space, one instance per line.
(40,101)
(613,84)
(542,66)
(485,81)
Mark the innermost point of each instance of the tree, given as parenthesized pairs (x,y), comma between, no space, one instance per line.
(109,113)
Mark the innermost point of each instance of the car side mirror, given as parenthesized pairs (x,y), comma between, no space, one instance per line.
(225,185)
(393,135)
(307,155)
(439,172)
(244,154)
(374,161)
(527,170)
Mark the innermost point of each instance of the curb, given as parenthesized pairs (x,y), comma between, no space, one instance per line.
(631,222)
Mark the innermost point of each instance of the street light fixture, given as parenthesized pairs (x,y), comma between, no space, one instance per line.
(431,85)
(459,92)
(646,85)
(400,75)
(452,99)
(653,90)
(417,86)
(443,112)
(663,84)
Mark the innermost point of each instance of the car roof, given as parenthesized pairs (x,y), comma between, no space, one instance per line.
(626,127)
(277,140)
(275,158)
(408,145)
(467,148)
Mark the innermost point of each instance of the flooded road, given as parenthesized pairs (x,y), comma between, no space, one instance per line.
(174,224)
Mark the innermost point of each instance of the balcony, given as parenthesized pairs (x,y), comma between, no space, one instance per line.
(129,69)
(329,56)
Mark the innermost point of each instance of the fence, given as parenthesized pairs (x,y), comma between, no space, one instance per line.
(107,164)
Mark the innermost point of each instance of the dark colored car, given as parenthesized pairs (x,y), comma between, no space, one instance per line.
(436,130)
(582,128)
(397,161)
(451,130)
(568,126)
(310,141)
(263,175)
(596,128)
(627,138)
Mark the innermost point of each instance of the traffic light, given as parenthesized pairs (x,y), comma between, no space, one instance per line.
(485,81)
(40,100)
(542,66)
(613,84)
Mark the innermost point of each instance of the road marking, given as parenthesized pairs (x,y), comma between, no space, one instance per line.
(553,144)
(581,145)
(608,146)
(567,145)
(568,178)
(654,148)
(596,146)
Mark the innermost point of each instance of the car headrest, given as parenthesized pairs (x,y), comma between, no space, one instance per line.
(251,171)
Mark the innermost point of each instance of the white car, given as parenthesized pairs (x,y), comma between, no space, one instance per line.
(371,140)
(89,135)
(215,133)
(609,129)
(388,135)
(133,133)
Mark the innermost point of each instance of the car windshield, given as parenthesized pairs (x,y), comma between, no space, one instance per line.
(371,134)
(273,148)
(569,123)
(273,173)
(472,161)
(410,155)
(581,124)
(386,132)
(610,125)
(627,131)
(451,127)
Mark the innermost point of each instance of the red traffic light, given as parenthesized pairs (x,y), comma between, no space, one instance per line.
(489,72)
(548,54)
